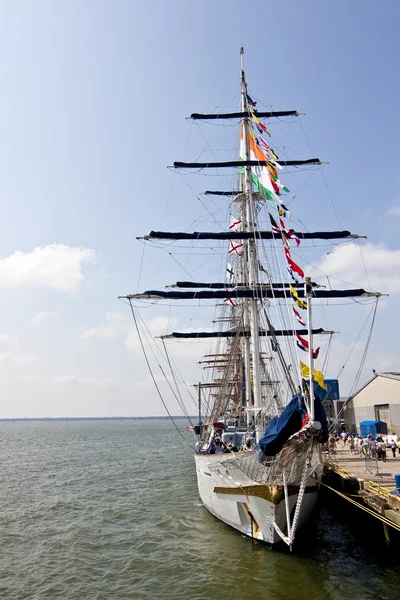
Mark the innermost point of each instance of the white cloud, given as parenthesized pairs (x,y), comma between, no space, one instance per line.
(114,327)
(102,333)
(6,339)
(157,326)
(145,388)
(114,318)
(55,266)
(73,380)
(21,359)
(347,265)
(147,385)
(41,317)
(27,379)
(394,210)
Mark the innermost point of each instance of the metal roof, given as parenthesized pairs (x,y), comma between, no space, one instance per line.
(390,375)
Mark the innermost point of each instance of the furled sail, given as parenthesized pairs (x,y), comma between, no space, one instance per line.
(258,293)
(240,115)
(192,335)
(247,235)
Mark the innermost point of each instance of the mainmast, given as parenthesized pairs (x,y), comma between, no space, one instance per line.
(250,266)
(244,269)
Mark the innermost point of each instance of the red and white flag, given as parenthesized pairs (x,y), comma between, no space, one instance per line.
(293,266)
(298,317)
(234,223)
(304,345)
(235,248)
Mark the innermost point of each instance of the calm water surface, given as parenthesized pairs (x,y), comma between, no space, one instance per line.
(109,509)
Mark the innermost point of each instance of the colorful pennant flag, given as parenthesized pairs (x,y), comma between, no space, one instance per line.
(230,301)
(292,276)
(274,225)
(300,303)
(229,271)
(304,345)
(294,237)
(260,126)
(298,317)
(264,144)
(250,101)
(235,248)
(289,233)
(317,375)
(283,210)
(259,174)
(234,223)
(275,186)
(276,157)
(294,266)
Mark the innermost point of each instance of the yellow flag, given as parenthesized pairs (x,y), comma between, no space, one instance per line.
(300,303)
(318,375)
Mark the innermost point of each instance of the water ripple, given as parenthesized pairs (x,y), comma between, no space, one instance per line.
(109,510)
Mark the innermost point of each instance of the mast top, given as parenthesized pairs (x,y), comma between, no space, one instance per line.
(242,62)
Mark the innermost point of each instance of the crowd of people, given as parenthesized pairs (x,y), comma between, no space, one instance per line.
(364,445)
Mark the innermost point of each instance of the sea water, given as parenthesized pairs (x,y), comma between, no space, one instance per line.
(108,510)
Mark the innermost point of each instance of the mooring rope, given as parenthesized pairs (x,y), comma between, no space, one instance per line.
(368,510)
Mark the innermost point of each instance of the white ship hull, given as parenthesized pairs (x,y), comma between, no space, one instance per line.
(256,510)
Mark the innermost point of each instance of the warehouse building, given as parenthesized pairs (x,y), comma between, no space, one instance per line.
(377,400)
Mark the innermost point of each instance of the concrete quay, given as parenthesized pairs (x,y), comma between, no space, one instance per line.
(366,468)
(366,480)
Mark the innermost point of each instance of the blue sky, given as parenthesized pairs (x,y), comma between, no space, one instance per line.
(92,110)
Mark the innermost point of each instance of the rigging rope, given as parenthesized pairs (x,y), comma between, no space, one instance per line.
(323,175)
(364,356)
(362,362)
(153,378)
(178,392)
(302,488)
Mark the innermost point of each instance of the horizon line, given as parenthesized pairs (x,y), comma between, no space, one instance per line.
(121,418)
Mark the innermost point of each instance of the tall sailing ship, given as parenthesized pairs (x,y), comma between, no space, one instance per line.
(261,419)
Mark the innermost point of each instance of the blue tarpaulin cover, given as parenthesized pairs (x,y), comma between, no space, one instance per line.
(289,422)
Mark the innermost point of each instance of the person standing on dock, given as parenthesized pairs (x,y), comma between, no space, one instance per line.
(332,445)
(393,446)
(352,444)
(379,449)
(383,448)
(372,447)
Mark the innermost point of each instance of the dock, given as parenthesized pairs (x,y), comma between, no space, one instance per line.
(366,481)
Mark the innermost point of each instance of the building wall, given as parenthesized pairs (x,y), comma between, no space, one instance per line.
(380,390)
